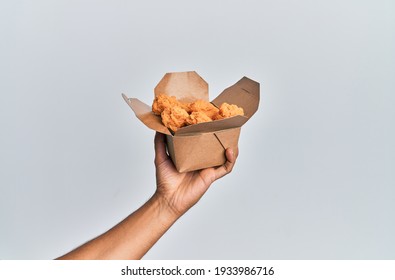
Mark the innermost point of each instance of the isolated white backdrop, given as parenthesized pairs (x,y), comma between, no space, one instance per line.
(315,176)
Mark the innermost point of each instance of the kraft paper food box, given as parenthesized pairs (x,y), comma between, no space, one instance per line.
(200,145)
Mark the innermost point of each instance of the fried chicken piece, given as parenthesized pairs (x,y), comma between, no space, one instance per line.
(162,101)
(204,106)
(186,106)
(198,117)
(176,114)
(174,117)
(229,110)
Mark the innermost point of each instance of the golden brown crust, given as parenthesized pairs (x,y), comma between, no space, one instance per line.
(162,102)
(174,117)
(204,106)
(176,114)
(198,117)
(230,110)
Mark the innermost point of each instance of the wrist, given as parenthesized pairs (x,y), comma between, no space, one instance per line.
(165,211)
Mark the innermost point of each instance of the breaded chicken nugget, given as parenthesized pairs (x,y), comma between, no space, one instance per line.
(229,110)
(198,117)
(204,106)
(176,114)
(186,106)
(162,102)
(174,117)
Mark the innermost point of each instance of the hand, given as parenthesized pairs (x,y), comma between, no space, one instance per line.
(180,191)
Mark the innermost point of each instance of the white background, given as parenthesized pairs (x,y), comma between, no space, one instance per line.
(315,177)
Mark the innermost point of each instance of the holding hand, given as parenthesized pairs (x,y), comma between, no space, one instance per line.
(180,191)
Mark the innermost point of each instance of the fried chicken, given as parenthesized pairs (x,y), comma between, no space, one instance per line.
(174,117)
(198,117)
(162,102)
(176,114)
(204,106)
(229,110)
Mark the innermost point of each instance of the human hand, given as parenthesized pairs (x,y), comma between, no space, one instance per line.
(180,191)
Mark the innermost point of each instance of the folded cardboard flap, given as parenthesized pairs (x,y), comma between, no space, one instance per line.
(236,121)
(144,113)
(245,94)
(185,86)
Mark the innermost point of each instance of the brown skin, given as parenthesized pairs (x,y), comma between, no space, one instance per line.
(175,194)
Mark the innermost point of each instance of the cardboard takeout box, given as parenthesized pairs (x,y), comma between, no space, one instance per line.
(200,145)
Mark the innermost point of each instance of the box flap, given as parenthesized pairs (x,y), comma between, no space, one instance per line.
(233,122)
(185,86)
(144,113)
(245,94)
